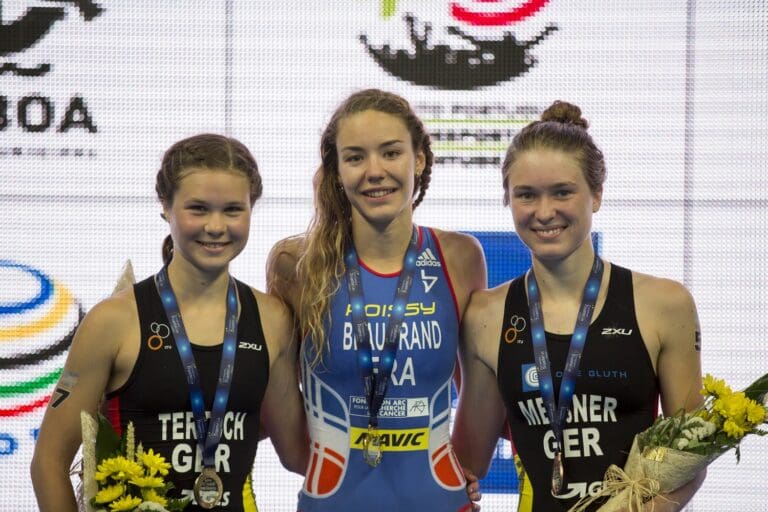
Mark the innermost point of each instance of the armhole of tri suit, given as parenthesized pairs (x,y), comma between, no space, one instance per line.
(516,291)
(249,324)
(149,308)
(620,286)
(247,303)
(148,305)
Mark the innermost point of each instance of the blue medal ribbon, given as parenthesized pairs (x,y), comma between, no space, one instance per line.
(208,432)
(375,384)
(558,413)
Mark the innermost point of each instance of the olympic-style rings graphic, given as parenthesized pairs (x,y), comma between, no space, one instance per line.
(161,331)
(516,326)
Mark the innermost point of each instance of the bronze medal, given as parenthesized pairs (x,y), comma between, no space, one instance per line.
(208,489)
(372,452)
(557,474)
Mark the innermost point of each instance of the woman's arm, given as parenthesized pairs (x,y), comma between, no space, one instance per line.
(84,379)
(282,411)
(480,414)
(667,313)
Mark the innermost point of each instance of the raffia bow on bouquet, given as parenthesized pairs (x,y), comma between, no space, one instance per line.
(672,451)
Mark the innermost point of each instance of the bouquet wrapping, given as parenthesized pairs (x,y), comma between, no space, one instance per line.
(672,451)
(118,475)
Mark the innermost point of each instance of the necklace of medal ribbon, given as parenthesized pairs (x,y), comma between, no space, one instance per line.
(559,412)
(375,383)
(208,432)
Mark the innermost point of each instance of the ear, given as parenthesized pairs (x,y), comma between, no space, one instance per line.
(597,200)
(421,162)
(164,214)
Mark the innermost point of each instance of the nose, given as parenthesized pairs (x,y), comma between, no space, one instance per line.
(545,210)
(215,224)
(376,169)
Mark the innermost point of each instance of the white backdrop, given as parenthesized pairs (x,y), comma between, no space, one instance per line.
(91,94)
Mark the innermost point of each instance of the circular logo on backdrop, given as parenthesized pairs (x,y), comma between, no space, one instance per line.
(38,318)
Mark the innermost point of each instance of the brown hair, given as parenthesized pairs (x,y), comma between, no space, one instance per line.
(321,265)
(205,151)
(561,128)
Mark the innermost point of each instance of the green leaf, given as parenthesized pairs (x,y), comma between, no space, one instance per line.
(758,389)
(177,504)
(107,440)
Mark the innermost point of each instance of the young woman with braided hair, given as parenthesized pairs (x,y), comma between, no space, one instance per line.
(189,335)
(379,301)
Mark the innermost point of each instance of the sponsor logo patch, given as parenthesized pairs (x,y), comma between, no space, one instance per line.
(530,377)
(400,440)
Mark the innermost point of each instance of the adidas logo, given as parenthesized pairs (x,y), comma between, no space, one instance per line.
(427,259)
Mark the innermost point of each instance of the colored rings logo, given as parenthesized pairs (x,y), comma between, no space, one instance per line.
(516,326)
(38,318)
(160,332)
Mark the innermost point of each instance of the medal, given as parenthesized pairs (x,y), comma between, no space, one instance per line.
(208,489)
(557,474)
(375,382)
(558,412)
(372,452)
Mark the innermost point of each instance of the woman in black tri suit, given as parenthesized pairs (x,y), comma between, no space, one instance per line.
(183,337)
(575,337)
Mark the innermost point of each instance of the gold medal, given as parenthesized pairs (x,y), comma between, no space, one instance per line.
(557,474)
(208,489)
(372,447)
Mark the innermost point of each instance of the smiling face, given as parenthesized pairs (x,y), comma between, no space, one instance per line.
(552,204)
(377,166)
(209,217)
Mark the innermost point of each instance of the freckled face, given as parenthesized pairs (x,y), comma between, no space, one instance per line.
(210,217)
(377,166)
(551,202)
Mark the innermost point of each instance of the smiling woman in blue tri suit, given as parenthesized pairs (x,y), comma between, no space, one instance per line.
(575,337)
(227,343)
(379,300)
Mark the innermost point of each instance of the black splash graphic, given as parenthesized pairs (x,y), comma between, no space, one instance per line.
(28,30)
(488,62)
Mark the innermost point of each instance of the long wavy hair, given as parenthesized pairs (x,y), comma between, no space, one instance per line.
(321,265)
(204,151)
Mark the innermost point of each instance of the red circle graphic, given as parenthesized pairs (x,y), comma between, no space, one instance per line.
(495,19)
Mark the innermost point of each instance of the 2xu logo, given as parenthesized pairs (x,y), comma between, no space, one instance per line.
(37,114)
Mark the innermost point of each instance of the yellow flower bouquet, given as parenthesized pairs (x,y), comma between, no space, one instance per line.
(118,475)
(672,451)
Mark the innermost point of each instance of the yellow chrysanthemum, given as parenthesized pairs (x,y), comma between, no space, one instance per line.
(125,503)
(715,387)
(154,497)
(755,413)
(118,468)
(733,429)
(147,481)
(731,407)
(109,493)
(154,462)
